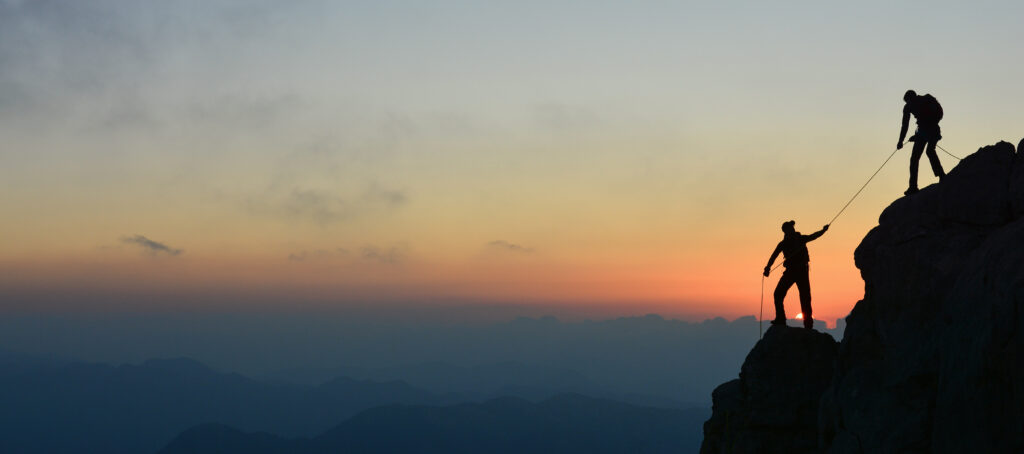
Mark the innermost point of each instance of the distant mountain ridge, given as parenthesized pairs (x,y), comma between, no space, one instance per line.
(564,423)
(478,382)
(137,408)
(57,407)
(466,357)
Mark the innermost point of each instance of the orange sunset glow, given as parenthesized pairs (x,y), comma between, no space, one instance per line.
(635,172)
(566,226)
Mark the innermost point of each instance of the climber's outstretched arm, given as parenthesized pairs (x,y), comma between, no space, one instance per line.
(768,267)
(816,235)
(905,125)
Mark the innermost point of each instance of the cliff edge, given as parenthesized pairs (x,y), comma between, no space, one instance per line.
(932,359)
(773,406)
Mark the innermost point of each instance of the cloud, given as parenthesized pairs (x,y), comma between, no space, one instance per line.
(150,246)
(320,206)
(318,254)
(243,111)
(387,256)
(324,206)
(511,247)
(388,197)
(369,254)
(117,65)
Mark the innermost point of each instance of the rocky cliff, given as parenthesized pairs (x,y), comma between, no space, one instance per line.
(932,359)
(773,406)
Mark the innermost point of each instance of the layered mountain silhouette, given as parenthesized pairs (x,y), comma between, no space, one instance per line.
(488,381)
(932,359)
(60,407)
(473,358)
(565,423)
(444,377)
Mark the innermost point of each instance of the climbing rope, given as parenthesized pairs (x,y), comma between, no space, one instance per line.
(862,187)
(947,152)
(876,173)
(760,319)
(760,316)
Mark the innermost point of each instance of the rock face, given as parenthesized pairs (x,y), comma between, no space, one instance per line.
(773,406)
(933,356)
(932,359)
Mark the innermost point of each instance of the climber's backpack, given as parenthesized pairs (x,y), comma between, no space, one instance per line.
(928,109)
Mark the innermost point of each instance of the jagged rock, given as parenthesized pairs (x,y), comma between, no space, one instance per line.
(773,406)
(1017,184)
(931,360)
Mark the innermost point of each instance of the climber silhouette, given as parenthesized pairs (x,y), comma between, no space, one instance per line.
(927,111)
(797,262)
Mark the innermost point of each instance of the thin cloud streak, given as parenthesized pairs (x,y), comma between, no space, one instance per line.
(325,207)
(150,246)
(383,255)
(511,247)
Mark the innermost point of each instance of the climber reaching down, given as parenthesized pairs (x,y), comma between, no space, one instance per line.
(797,263)
(927,111)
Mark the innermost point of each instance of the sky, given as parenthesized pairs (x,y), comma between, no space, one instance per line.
(586,159)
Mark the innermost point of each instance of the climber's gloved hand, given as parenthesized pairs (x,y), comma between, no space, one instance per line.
(767,271)
(825,228)
(899,145)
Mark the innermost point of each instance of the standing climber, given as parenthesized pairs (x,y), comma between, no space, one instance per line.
(797,262)
(928,112)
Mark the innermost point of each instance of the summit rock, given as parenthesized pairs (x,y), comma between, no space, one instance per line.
(932,359)
(933,356)
(773,406)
